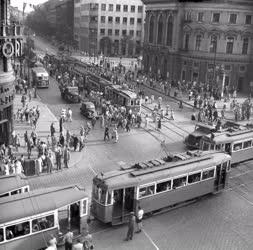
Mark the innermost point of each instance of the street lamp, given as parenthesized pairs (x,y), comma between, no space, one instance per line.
(214,49)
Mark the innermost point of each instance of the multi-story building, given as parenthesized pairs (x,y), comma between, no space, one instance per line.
(208,41)
(109,26)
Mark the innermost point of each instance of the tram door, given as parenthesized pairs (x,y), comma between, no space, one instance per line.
(123,204)
(221,174)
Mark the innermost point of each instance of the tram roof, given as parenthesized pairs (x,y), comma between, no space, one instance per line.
(151,171)
(38,201)
(12,182)
(126,92)
(228,137)
(39,70)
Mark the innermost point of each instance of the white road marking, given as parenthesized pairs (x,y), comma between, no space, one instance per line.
(93,171)
(152,242)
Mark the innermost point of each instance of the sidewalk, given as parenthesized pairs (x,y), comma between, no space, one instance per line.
(42,129)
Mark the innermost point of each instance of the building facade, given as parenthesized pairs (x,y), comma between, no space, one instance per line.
(10,45)
(111,27)
(208,41)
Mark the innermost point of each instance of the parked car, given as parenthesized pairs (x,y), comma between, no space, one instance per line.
(88,109)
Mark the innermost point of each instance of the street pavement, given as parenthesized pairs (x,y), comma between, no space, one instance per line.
(216,222)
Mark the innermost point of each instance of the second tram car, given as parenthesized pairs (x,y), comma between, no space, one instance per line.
(158,184)
(238,143)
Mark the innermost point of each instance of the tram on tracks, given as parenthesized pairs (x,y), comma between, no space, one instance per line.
(192,141)
(13,184)
(236,142)
(27,220)
(158,184)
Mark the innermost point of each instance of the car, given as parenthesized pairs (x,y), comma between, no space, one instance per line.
(70,94)
(88,109)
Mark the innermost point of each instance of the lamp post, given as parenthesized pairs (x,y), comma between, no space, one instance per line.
(214,46)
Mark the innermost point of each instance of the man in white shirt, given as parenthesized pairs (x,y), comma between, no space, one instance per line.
(52,243)
(18,167)
(78,245)
(139,218)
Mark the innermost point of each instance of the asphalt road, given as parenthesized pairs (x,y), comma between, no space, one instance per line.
(216,222)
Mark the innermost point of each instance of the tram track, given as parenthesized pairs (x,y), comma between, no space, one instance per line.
(176,129)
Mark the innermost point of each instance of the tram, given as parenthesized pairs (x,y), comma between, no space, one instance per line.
(238,143)
(40,77)
(13,184)
(158,184)
(27,220)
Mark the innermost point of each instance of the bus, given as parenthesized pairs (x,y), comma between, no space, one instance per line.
(27,220)
(40,77)
(13,184)
(238,143)
(158,184)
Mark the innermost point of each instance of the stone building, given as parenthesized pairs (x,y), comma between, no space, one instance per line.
(207,41)
(113,27)
(10,45)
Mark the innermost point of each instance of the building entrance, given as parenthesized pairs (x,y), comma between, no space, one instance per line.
(4,132)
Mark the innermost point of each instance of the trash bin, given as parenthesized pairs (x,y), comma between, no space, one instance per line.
(29,167)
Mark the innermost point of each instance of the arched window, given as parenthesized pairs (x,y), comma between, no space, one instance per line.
(245,45)
(213,45)
(151,29)
(169,31)
(160,31)
(230,45)
(198,42)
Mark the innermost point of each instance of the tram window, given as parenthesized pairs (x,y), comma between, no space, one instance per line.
(218,147)
(146,191)
(132,102)
(192,178)
(247,144)
(224,165)
(102,196)
(95,192)
(237,146)
(1,234)
(17,230)
(179,182)
(163,186)
(205,146)
(109,198)
(4,195)
(207,174)
(18,191)
(85,205)
(212,146)
(43,223)
(26,189)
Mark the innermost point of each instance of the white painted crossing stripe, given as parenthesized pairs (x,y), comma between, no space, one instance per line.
(152,242)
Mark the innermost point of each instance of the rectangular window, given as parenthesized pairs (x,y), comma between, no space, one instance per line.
(163,186)
(1,234)
(84,207)
(103,7)
(124,20)
(110,7)
(232,18)
(186,41)
(117,20)
(117,7)
(125,8)
(206,146)
(247,144)
(179,182)
(17,230)
(198,42)
(109,198)
(102,19)
(131,32)
(200,16)
(132,8)
(124,32)
(192,178)
(42,223)
(237,146)
(218,147)
(102,31)
(140,9)
(248,19)
(102,198)
(245,46)
(109,32)
(110,19)
(138,33)
(227,67)
(242,68)
(116,32)
(216,17)
(131,20)
(139,20)
(208,174)
(230,45)
(146,191)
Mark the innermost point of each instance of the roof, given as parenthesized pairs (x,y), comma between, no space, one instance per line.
(11,182)
(38,201)
(89,104)
(39,70)
(125,92)
(138,174)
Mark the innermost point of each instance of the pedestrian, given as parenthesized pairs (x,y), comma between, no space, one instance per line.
(139,218)
(75,142)
(68,136)
(52,243)
(60,124)
(58,156)
(61,139)
(87,244)
(49,161)
(130,230)
(146,120)
(106,134)
(172,114)
(68,240)
(52,129)
(78,245)
(102,121)
(66,157)
(159,124)
(128,126)
(69,115)
(115,134)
